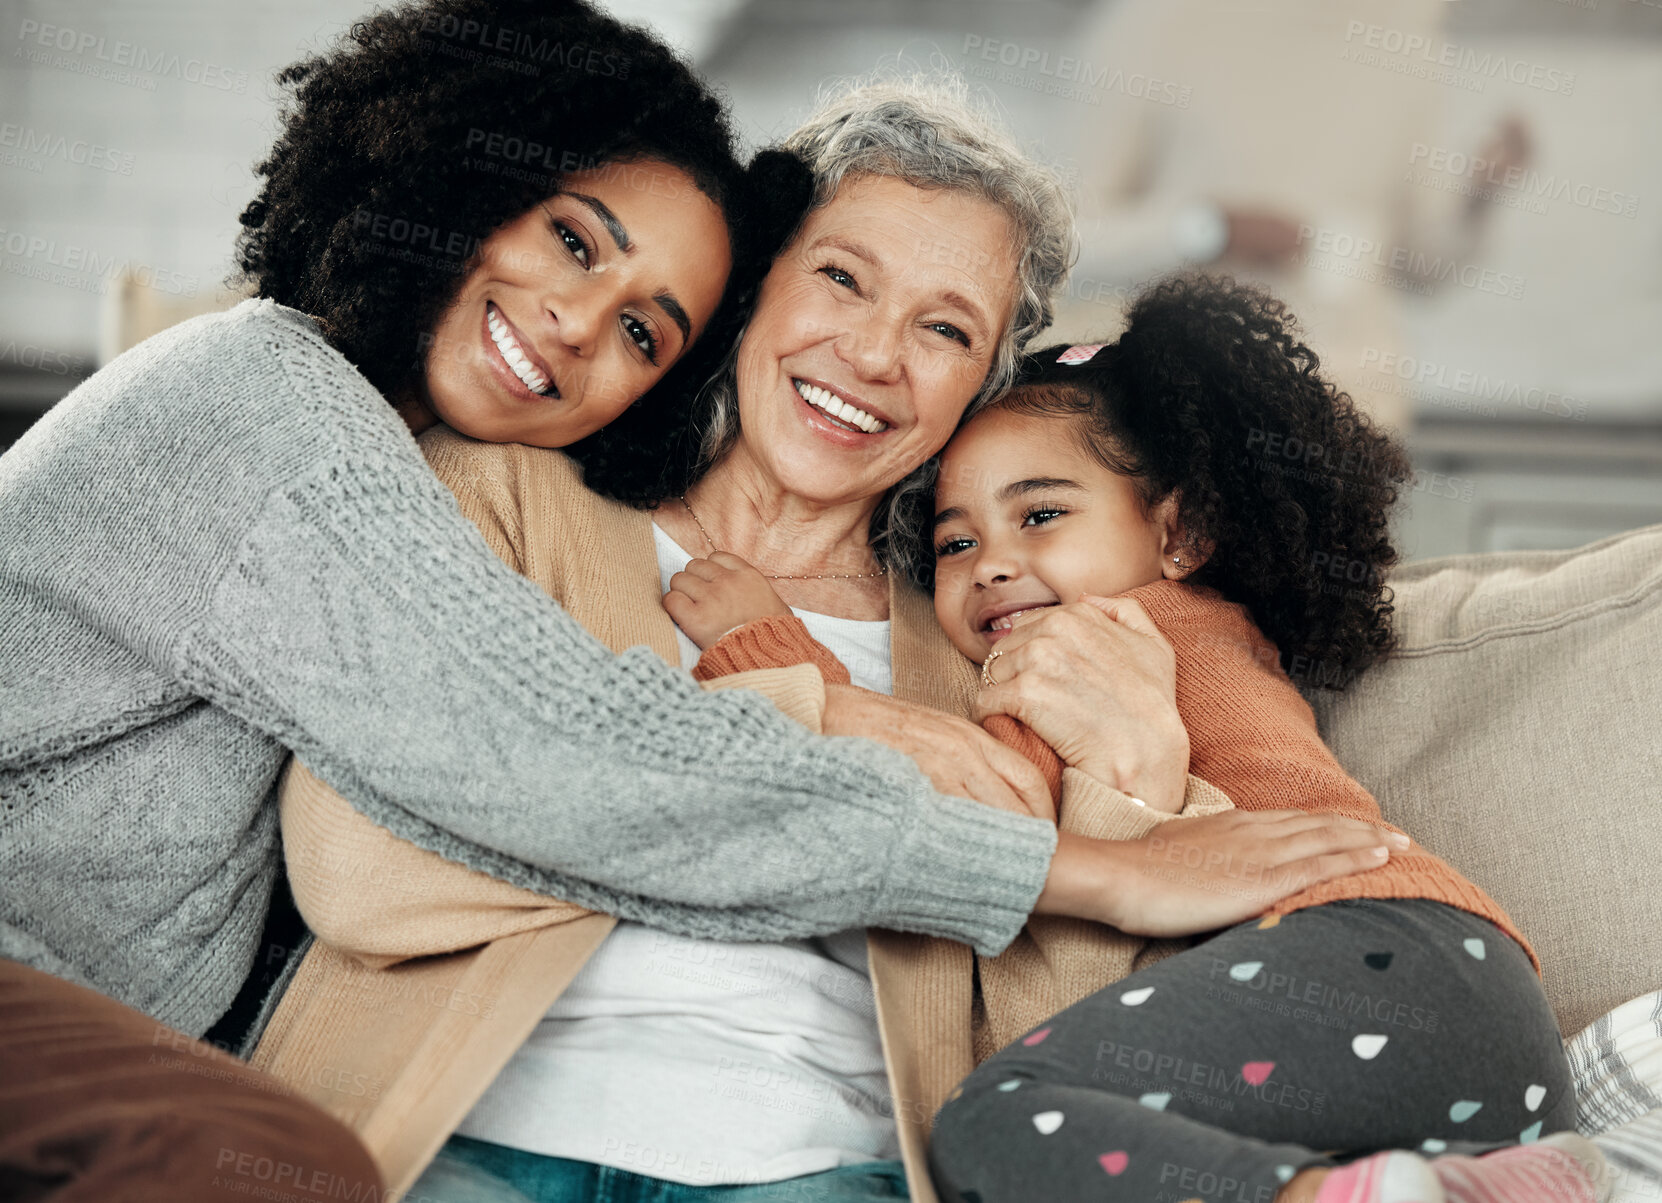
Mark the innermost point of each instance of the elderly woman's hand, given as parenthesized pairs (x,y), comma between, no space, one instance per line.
(959,757)
(1098,682)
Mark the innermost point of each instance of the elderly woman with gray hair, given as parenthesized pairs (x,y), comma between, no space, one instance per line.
(577,1055)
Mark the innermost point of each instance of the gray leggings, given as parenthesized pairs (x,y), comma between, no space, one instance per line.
(1218,1073)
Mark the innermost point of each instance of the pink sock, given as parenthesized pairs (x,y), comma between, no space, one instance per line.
(1383,1178)
(1561,1169)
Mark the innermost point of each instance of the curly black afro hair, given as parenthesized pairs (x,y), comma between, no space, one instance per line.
(442,120)
(1211,395)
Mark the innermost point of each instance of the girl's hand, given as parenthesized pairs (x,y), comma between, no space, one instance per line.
(1197,875)
(712,596)
(1098,682)
(959,757)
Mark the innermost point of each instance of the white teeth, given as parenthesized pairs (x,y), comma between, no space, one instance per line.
(512,355)
(1007,621)
(821,398)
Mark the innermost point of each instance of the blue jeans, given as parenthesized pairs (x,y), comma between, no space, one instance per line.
(477,1171)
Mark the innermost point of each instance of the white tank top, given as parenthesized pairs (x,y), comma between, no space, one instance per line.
(704,1061)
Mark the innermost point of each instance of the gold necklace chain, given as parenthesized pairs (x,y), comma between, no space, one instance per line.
(824,576)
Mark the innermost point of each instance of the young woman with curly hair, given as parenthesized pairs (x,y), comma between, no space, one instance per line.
(460,155)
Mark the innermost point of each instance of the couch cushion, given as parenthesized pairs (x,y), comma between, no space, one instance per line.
(1518,734)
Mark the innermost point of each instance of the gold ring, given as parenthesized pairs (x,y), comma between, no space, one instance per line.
(987,667)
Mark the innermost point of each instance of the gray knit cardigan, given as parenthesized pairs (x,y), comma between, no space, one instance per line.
(225,547)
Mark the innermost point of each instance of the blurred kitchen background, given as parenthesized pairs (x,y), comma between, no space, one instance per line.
(1461,198)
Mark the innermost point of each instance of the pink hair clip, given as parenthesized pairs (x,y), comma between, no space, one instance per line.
(1080,354)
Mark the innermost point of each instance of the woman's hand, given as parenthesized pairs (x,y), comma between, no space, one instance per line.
(1197,875)
(1098,682)
(959,757)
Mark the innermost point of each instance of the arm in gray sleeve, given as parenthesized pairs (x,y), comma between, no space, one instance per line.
(355,615)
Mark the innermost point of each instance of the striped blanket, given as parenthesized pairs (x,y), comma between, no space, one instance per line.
(1617,1060)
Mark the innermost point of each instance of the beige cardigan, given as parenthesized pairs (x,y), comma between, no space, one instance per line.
(393,1030)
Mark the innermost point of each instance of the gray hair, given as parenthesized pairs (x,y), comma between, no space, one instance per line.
(925,130)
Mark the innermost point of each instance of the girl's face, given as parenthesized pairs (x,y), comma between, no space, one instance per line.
(1025,517)
(873,331)
(574,309)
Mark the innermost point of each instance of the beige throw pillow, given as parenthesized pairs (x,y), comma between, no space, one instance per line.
(1518,734)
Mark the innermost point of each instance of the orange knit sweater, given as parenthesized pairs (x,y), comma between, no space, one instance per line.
(780,640)
(1250,734)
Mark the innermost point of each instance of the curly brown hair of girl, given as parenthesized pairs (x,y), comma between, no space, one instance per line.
(441,120)
(1212,395)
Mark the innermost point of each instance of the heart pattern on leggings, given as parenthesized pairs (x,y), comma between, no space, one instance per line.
(1047,1121)
(1367,1047)
(1113,1164)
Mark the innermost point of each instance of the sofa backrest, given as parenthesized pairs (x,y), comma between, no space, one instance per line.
(1517,733)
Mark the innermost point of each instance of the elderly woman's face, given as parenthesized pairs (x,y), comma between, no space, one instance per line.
(574,309)
(873,331)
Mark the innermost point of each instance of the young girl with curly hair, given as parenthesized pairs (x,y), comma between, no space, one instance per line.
(1201,467)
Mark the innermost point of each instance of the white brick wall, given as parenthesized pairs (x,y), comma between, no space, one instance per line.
(190,144)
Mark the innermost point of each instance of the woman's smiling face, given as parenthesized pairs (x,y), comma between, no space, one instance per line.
(574,309)
(873,331)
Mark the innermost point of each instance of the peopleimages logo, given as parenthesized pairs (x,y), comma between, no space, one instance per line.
(478,38)
(127,54)
(75,266)
(1427,380)
(41,359)
(1093,78)
(28,141)
(1431,52)
(1328,250)
(1525,180)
